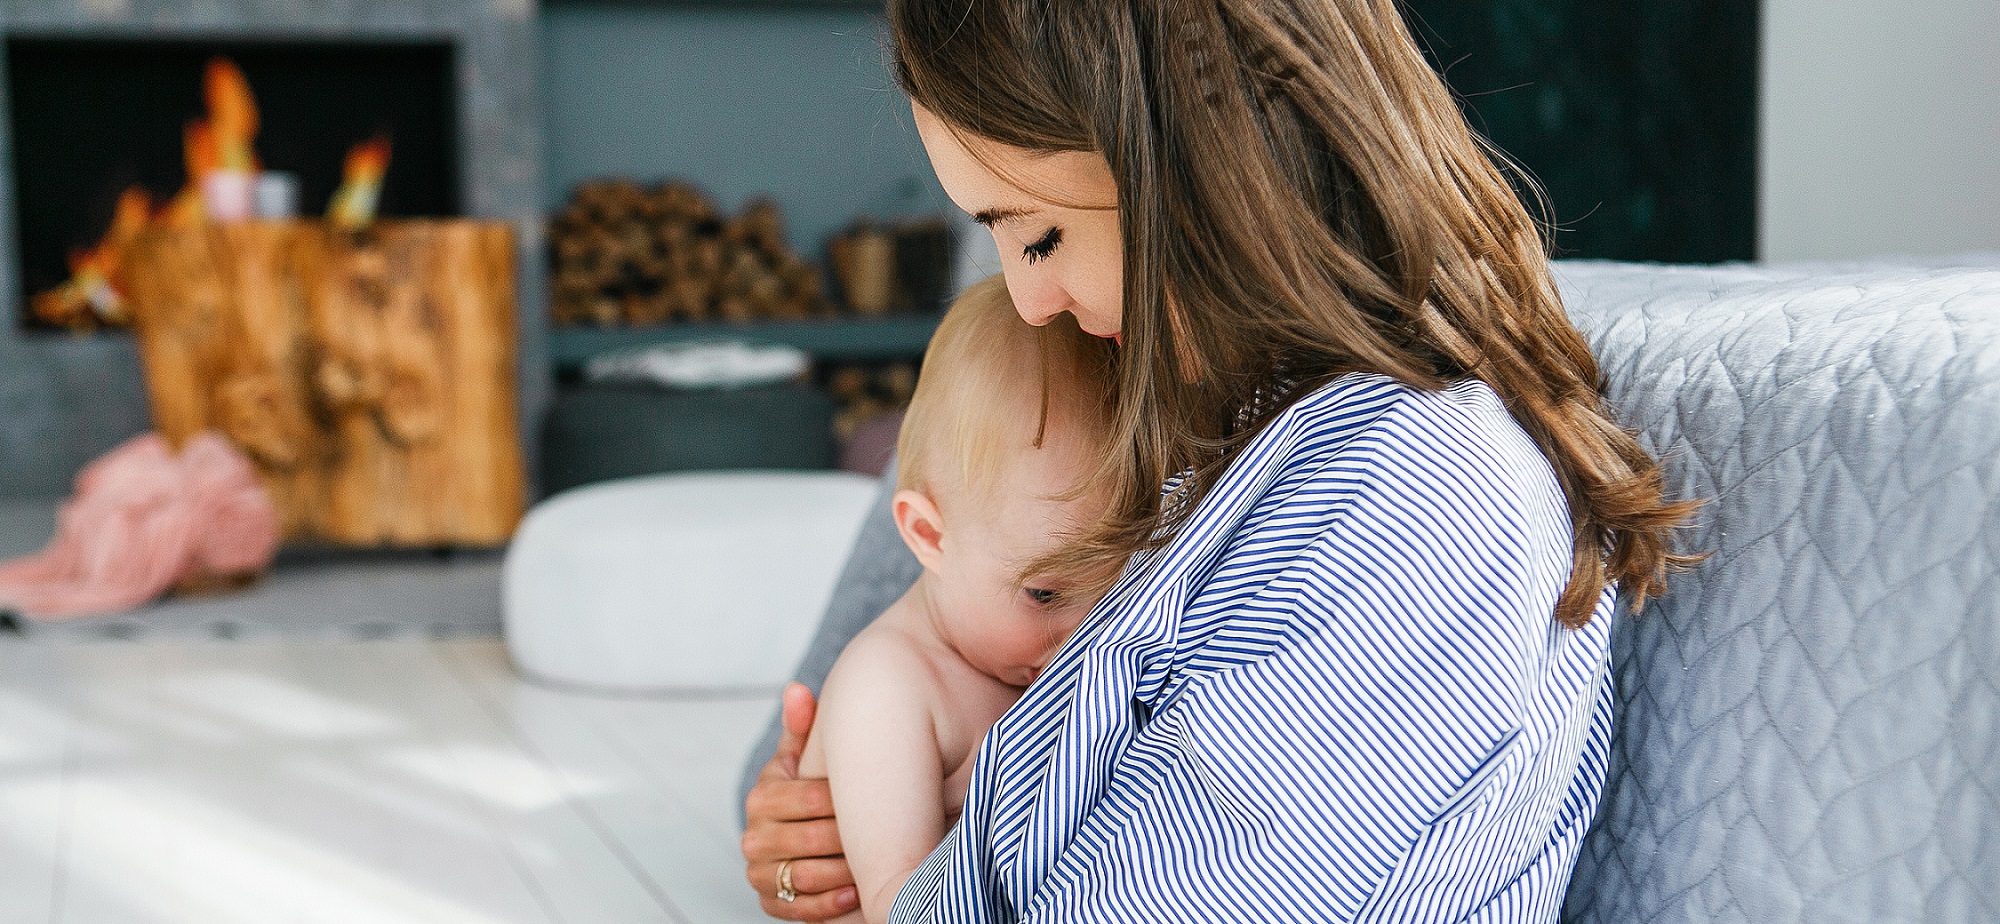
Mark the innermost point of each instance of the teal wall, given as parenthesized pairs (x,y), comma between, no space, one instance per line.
(1640,122)
(1639,119)
(792,103)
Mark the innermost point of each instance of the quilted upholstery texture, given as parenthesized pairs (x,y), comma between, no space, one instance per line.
(1809,724)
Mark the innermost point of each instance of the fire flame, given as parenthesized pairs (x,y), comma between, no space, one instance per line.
(353,205)
(93,287)
(232,116)
(222,141)
(199,154)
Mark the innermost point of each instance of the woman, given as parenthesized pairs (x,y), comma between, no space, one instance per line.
(1358,668)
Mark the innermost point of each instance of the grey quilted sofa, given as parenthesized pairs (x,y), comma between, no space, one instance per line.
(1810,722)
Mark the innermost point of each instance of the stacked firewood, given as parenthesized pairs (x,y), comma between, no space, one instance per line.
(862,393)
(625,255)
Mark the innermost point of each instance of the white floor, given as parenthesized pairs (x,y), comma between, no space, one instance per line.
(286,780)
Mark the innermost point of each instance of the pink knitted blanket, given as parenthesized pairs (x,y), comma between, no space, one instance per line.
(142,521)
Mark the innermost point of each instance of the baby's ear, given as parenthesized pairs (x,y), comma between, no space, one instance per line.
(921,525)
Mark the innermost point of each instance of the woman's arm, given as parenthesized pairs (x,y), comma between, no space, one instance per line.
(788,818)
(878,738)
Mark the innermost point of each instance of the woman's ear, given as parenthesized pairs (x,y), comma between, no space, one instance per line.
(921,525)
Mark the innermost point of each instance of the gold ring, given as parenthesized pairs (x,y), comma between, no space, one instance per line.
(785,891)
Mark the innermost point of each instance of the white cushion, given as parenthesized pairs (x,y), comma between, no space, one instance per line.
(700,582)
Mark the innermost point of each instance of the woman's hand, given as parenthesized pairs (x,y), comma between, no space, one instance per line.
(787,818)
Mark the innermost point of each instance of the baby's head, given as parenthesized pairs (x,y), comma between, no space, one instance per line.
(1007,425)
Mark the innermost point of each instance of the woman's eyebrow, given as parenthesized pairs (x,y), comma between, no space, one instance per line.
(998,214)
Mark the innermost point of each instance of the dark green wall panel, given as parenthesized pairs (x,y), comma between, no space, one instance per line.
(1638,118)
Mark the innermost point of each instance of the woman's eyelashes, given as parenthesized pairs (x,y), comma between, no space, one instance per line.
(1041,249)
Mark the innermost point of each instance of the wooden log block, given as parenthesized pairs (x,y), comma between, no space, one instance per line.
(370,377)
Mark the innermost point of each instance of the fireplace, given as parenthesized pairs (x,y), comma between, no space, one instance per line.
(92,118)
(66,399)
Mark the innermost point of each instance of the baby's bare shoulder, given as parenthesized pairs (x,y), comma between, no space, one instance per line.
(884,664)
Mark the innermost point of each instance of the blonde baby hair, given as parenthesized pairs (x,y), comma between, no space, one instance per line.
(991,384)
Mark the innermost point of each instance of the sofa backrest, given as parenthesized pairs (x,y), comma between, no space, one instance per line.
(1810,722)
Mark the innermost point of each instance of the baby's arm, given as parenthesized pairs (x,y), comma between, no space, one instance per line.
(879,740)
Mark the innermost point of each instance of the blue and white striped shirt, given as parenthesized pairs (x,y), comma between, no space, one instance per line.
(1339,694)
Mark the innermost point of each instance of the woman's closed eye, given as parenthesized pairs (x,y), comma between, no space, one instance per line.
(1040,249)
(1042,596)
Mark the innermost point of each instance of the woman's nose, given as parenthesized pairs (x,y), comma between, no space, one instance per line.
(1037,301)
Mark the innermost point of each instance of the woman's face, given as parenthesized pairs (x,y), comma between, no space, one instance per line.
(1055,217)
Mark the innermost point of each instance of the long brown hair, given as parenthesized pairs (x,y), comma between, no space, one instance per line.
(1297,191)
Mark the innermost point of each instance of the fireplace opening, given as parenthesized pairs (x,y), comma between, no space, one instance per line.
(94,118)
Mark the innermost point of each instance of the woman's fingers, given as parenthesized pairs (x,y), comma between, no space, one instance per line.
(797,714)
(767,841)
(789,819)
(814,875)
(788,800)
(810,876)
(822,907)
(825,889)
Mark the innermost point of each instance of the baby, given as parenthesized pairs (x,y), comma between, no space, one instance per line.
(1007,423)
